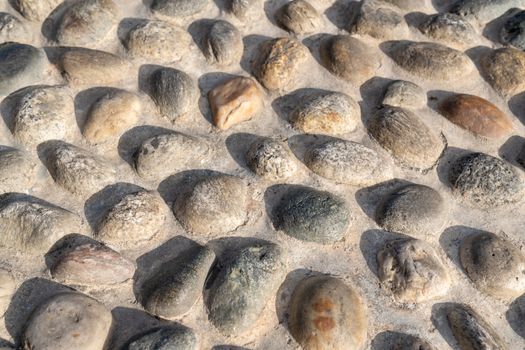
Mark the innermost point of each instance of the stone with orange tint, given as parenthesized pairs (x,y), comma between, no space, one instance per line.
(327,314)
(235,101)
(476,115)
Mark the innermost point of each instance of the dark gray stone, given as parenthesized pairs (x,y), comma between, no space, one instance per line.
(450,29)
(178,8)
(513,31)
(164,338)
(224,44)
(404,341)
(20,65)
(484,10)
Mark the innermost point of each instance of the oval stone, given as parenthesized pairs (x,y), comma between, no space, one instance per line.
(270,159)
(495,266)
(513,30)
(7,290)
(164,338)
(241,8)
(224,44)
(36,10)
(178,8)
(504,70)
(327,314)
(409,141)
(17,170)
(298,17)
(404,94)
(347,162)
(483,181)
(20,65)
(449,29)
(379,22)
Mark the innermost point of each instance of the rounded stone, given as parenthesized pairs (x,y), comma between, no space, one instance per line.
(17,170)
(504,70)
(20,65)
(36,10)
(178,8)
(476,115)
(135,219)
(325,313)
(412,209)
(408,140)
(404,94)
(77,170)
(68,321)
(412,270)
(174,92)
(157,41)
(223,44)
(166,154)
(311,215)
(449,29)
(86,22)
(111,115)
(248,280)
(496,266)
(278,62)
(215,204)
(483,10)
(347,162)
(164,338)
(12,29)
(330,113)
(483,181)
(298,17)
(270,159)
(241,8)
(431,61)
(349,58)
(513,30)
(379,22)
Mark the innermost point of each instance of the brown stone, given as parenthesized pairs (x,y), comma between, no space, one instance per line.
(504,69)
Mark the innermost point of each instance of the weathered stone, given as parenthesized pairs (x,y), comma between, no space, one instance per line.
(476,115)
(88,262)
(36,10)
(177,285)
(404,94)
(327,314)
(157,41)
(20,65)
(349,58)
(42,113)
(135,219)
(111,115)
(163,155)
(449,29)
(164,338)
(270,159)
(471,331)
(243,286)
(504,70)
(483,181)
(241,8)
(311,215)
(410,342)
(412,270)
(412,209)
(174,92)
(223,44)
(347,162)
(431,61)
(278,62)
(89,67)
(68,321)
(513,30)
(17,170)
(235,101)
(494,265)
(409,141)
(484,10)
(298,17)
(330,113)
(379,23)
(11,29)
(178,8)
(77,170)
(31,224)
(85,22)
(215,204)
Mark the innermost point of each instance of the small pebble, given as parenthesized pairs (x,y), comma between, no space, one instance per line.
(223,44)
(404,94)
(513,30)
(12,29)
(504,70)
(20,65)
(36,10)
(483,10)
(178,8)
(380,23)
(298,17)
(449,29)
(271,159)
(164,338)
(241,8)
(17,170)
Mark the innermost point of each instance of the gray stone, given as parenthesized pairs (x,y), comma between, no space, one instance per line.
(408,140)
(496,266)
(223,44)
(11,29)
(449,29)
(86,22)
(483,181)
(68,321)
(299,17)
(325,313)
(380,23)
(412,209)
(471,331)
(407,5)
(215,204)
(241,8)
(347,162)
(20,65)
(174,92)
(243,286)
(271,159)
(36,10)
(412,270)
(31,224)
(513,30)
(484,10)
(405,94)
(504,70)
(17,170)
(178,8)
(176,286)
(166,154)
(311,215)
(165,338)
(410,342)
(78,170)
(521,157)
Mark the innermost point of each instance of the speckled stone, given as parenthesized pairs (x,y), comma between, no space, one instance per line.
(20,65)
(299,17)
(379,22)
(164,338)
(223,44)
(178,8)
(504,70)
(513,30)
(449,29)
(17,170)
(404,94)
(271,159)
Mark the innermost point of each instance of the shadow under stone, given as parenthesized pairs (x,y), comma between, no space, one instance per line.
(369,198)
(239,144)
(130,142)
